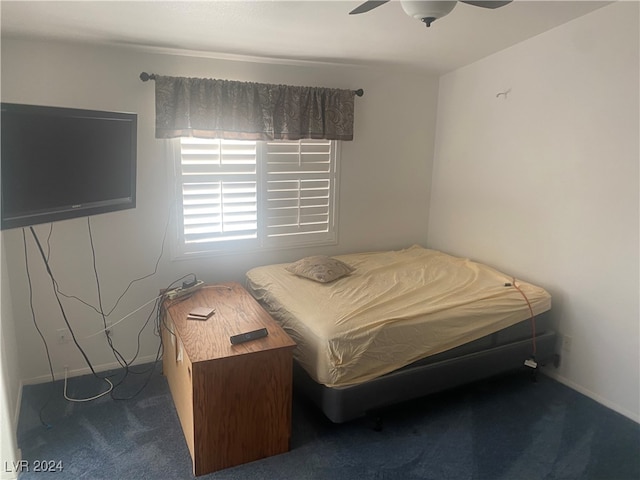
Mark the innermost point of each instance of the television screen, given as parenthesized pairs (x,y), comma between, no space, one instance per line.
(60,163)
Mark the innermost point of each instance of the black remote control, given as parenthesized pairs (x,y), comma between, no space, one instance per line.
(246,337)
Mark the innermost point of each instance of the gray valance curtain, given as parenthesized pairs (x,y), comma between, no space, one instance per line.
(209,108)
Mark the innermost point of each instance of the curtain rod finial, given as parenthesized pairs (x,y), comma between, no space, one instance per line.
(359,92)
(145,77)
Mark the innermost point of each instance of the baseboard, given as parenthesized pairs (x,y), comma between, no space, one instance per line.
(83,371)
(11,468)
(593,396)
(16,413)
(9,472)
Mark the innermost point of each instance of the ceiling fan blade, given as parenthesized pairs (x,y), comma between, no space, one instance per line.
(366,6)
(486,4)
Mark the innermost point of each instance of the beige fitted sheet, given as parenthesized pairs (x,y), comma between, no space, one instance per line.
(395,308)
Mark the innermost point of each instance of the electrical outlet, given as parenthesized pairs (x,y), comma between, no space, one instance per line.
(64,336)
(566,343)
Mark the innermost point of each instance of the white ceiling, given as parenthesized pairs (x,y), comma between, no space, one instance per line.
(293,30)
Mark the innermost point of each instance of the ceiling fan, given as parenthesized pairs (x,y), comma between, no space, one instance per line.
(427,11)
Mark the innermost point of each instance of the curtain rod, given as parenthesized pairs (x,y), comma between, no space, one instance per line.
(145,77)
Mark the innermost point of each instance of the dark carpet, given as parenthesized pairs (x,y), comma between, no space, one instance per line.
(508,428)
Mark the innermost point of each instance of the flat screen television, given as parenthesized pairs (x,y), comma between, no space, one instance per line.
(60,163)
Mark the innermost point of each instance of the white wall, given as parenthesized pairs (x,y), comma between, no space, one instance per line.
(383,196)
(544,184)
(9,379)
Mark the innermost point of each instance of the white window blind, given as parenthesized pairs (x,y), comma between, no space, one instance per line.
(299,186)
(248,194)
(218,190)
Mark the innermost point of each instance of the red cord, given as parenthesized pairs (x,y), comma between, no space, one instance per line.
(533,317)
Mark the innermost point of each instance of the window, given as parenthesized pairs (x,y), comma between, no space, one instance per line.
(242,195)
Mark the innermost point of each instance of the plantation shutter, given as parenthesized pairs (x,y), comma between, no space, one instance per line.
(300,188)
(219,190)
(239,194)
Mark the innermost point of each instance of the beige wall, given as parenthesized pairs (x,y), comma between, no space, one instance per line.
(543,183)
(382,188)
(9,379)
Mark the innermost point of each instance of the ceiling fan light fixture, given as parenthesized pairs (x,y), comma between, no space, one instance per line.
(427,11)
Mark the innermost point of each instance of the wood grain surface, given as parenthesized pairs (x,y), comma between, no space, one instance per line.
(236,312)
(234,401)
(179,377)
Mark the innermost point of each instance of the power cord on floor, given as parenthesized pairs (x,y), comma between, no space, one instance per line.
(66,372)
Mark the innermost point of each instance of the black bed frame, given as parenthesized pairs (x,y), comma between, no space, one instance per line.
(494,354)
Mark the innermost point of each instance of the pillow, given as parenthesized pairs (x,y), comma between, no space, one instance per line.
(320,268)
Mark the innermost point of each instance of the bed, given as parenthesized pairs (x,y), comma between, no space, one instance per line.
(377,328)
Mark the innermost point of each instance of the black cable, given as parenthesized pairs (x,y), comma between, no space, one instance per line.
(64,314)
(33,316)
(49,240)
(100,310)
(147,380)
(160,318)
(159,353)
(126,365)
(118,356)
(150,370)
(155,270)
(156,306)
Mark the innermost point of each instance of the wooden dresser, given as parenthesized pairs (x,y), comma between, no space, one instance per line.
(233,401)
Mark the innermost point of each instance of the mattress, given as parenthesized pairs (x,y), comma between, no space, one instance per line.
(397,307)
